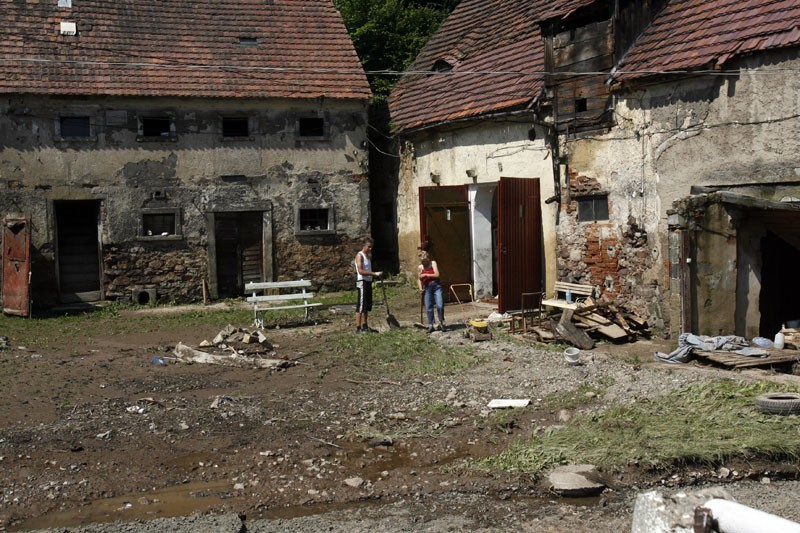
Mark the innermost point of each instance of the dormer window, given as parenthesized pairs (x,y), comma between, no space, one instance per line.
(442,65)
(248,41)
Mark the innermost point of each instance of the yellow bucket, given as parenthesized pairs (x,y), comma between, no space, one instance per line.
(478,324)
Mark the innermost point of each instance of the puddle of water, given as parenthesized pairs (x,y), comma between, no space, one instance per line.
(181,500)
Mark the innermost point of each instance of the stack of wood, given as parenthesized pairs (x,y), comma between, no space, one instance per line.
(791,338)
(581,326)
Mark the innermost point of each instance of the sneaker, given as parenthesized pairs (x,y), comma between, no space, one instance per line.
(367,329)
(442,326)
(359,330)
(431,329)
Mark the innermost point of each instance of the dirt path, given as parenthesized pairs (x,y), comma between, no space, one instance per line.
(98,432)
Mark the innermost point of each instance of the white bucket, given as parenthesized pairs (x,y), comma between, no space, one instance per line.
(572,355)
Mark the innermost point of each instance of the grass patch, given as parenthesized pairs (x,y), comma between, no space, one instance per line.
(585,394)
(702,424)
(404,352)
(435,409)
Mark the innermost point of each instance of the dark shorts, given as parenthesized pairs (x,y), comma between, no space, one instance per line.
(364,303)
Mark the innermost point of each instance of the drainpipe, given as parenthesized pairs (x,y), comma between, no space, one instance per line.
(732,517)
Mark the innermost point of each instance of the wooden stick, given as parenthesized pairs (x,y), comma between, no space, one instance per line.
(324,442)
(381,382)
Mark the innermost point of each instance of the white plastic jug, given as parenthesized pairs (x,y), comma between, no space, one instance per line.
(780,339)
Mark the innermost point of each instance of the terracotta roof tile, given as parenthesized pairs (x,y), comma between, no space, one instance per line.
(180,48)
(498,53)
(696,34)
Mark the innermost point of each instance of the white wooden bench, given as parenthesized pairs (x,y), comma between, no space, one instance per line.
(279,295)
(578,293)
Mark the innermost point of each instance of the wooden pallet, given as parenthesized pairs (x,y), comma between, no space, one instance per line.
(732,360)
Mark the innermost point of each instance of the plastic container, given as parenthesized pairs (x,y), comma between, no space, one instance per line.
(569,297)
(572,355)
(780,339)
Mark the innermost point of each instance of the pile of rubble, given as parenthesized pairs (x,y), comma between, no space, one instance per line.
(234,347)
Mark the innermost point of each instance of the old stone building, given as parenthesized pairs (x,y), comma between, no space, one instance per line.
(174,149)
(668,131)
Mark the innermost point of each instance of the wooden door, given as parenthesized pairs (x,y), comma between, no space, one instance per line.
(16,265)
(239,251)
(519,236)
(445,232)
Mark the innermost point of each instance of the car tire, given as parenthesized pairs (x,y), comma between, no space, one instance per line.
(779,403)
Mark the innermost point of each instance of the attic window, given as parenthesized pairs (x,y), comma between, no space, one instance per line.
(235,127)
(74,127)
(581,105)
(156,128)
(313,127)
(248,41)
(64,3)
(442,65)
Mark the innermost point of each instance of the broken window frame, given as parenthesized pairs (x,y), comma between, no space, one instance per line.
(298,221)
(246,137)
(302,132)
(175,212)
(590,201)
(166,135)
(59,127)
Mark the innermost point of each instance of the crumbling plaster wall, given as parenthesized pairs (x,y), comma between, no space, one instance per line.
(707,130)
(492,149)
(197,172)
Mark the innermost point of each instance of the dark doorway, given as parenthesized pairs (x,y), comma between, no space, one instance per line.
(779,301)
(239,250)
(519,241)
(445,232)
(78,246)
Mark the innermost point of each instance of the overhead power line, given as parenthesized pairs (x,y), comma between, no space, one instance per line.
(451,73)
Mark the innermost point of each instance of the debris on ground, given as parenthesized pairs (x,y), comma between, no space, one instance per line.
(185,354)
(730,351)
(573,481)
(507,403)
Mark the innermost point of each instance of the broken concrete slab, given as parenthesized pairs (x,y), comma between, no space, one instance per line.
(575,481)
(656,513)
(185,354)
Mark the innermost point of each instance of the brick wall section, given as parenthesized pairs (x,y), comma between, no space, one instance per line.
(606,254)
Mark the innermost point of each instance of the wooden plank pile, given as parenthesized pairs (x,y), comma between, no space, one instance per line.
(589,322)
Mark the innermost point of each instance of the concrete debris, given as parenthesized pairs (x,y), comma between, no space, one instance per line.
(354,482)
(507,403)
(575,480)
(185,354)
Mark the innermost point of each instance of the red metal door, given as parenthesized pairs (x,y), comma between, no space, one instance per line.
(444,228)
(519,241)
(16,264)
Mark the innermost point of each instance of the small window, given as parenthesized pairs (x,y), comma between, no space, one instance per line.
(160,223)
(248,41)
(592,208)
(235,127)
(75,127)
(315,220)
(154,128)
(581,105)
(311,127)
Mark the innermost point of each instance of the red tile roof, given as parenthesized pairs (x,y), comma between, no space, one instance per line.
(696,34)
(179,48)
(497,54)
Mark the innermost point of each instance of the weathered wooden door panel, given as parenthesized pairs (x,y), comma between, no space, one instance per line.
(16,265)
(78,246)
(239,251)
(519,241)
(445,231)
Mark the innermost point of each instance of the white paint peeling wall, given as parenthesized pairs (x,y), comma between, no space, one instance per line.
(489,150)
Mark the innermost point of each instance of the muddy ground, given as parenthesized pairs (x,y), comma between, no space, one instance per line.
(99,432)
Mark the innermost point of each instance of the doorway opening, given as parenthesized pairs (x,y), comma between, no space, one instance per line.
(78,250)
(239,251)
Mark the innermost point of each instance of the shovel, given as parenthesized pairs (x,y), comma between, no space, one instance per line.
(390,319)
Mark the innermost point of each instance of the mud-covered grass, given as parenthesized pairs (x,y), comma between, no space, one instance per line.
(404,353)
(704,424)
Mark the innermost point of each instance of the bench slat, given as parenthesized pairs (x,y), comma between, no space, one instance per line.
(268,285)
(561,304)
(276,307)
(280,297)
(577,288)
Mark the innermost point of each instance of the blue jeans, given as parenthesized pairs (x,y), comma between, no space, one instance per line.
(433,294)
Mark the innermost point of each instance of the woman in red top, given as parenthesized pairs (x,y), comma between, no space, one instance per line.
(429,284)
